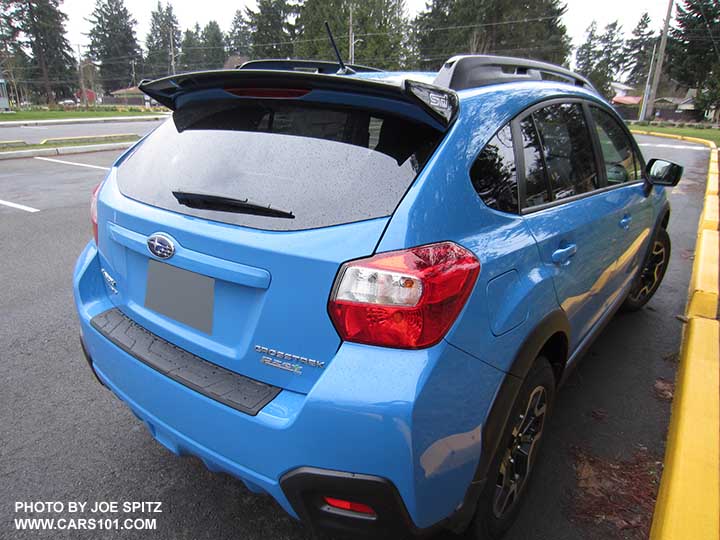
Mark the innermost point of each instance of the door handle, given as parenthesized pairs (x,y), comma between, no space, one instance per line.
(625,222)
(563,255)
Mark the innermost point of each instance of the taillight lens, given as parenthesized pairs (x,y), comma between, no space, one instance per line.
(93,211)
(403,299)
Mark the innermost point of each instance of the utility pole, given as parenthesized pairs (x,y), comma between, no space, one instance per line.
(81,78)
(646,92)
(351,38)
(172,50)
(132,65)
(658,68)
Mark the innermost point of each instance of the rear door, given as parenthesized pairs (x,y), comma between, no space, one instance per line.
(262,198)
(569,211)
(623,169)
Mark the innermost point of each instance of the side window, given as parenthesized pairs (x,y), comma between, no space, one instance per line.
(568,151)
(536,186)
(621,163)
(493,174)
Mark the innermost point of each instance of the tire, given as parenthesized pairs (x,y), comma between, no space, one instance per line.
(651,275)
(501,499)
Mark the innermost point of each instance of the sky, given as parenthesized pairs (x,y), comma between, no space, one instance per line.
(580,14)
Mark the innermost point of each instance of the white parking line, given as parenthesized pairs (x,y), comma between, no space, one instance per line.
(74,163)
(19,206)
(676,146)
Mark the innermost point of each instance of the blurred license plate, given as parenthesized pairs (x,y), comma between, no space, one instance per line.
(182,295)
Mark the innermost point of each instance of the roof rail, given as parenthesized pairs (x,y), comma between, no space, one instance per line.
(472,71)
(306,66)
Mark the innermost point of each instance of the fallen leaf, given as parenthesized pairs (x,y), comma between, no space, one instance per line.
(664,389)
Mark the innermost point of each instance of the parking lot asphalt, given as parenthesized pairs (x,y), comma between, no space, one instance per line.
(35,134)
(65,438)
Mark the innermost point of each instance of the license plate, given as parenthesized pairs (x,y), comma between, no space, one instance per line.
(182,295)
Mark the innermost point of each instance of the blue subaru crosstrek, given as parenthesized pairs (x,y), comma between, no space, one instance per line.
(358,291)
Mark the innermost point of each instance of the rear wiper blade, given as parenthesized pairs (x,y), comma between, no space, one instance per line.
(218,203)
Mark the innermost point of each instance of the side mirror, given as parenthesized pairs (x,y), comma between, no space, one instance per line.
(663,173)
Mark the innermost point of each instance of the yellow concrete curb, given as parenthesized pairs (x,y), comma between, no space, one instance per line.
(709,219)
(689,496)
(705,268)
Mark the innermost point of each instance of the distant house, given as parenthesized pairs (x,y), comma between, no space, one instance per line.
(627,106)
(89,95)
(128,96)
(678,108)
(235,61)
(4,99)
(621,89)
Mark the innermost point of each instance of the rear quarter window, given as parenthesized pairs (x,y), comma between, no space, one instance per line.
(326,165)
(494,175)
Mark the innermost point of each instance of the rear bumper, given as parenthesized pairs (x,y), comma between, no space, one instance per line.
(405,425)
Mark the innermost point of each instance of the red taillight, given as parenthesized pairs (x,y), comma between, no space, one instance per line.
(342,504)
(93,211)
(404,299)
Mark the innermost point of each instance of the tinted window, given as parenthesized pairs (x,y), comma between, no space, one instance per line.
(621,163)
(494,175)
(326,165)
(567,149)
(536,186)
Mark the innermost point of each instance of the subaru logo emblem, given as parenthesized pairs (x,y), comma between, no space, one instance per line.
(161,246)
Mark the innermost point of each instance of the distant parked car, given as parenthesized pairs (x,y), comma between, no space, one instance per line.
(359,292)
(67,103)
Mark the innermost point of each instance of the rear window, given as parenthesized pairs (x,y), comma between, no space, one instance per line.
(325,165)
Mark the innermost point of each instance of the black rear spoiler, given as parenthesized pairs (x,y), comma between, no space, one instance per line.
(440,105)
(307,66)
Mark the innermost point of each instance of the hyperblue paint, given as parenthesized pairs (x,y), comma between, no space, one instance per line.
(413,417)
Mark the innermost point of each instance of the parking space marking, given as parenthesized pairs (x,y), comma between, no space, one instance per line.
(675,146)
(73,163)
(19,206)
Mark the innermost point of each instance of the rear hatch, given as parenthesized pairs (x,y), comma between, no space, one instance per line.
(262,191)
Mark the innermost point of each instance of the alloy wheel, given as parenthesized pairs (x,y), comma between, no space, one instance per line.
(652,273)
(520,454)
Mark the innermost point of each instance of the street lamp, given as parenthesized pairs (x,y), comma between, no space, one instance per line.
(352,49)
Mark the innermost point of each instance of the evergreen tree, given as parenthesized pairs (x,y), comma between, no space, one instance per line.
(638,51)
(379,27)
(213,43)
(191,51)
(14,62)
(509,27)
(39,25)
(113,44)
(695,42)
(162,40)
(311,26)
(602,57)
(239,39)
(272,31)
(694,50)
(588,53)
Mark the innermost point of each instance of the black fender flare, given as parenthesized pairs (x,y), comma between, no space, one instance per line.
(498,416)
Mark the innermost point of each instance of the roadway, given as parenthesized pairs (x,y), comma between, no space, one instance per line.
(63,437)
(35,134)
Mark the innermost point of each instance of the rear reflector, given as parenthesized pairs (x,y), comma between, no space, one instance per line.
(403,299)
(342,504)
